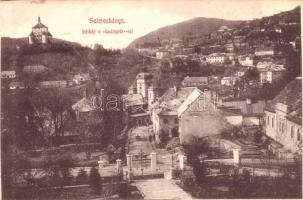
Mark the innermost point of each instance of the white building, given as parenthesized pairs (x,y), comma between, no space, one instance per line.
(16,85)
(271,73)
(247,61)
(167,110)
(283,118)
(144,86)
(8,74)
(39,34)
(194,81)
(264,51)
(228,81)
(80,78)
(216,58)
(162,54)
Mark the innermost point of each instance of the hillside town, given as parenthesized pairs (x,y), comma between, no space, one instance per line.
(217,115)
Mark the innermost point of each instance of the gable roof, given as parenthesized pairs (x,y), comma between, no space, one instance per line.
(86,104)
(132,99)
(172,100)
(291,96)
(197,79)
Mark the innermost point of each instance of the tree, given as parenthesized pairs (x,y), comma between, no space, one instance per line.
(95,181)
(199,169)
(58,104)
(251,74)
(82,177)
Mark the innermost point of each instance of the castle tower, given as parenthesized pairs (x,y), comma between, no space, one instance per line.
(144,81)
(39,34)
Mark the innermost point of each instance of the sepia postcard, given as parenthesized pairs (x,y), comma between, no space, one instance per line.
(141,99)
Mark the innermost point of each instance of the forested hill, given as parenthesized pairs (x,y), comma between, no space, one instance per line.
(197,27)
(60,57)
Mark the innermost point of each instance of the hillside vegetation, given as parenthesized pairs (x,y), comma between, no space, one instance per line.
(197,27)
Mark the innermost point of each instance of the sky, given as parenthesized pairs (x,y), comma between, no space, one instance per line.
(68,19)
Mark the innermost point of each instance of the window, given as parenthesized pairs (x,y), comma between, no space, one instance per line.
(282,127)
(273,122)
(292,132)
(165,121)
(268,121)
(299,135)
(176,120)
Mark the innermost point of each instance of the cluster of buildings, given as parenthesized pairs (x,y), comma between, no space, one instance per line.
(11,77)
(229,47)
(196,109)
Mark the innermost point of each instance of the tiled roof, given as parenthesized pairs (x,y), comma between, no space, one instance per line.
(291,96)
(132,99)
(39,25)
(86,105)
(171,99)
(272,68)
(195,79)
(244,108)
(16,84)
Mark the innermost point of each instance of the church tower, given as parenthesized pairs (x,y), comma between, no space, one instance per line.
(144,81)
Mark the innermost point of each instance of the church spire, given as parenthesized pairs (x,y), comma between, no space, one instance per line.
(39,21)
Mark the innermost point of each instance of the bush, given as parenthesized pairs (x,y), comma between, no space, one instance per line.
(82,177)
(95,181)
(173,143)
(122,190)
(164,137)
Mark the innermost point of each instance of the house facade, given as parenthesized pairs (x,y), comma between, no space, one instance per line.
(16,85)
(166,111)
(262,51)
(247,61)
(53,84)
(8,74)
(194,81)
(283,117)
(271,74)
(216,58)
(34,69)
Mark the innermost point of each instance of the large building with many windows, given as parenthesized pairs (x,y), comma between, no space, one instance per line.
(284,117)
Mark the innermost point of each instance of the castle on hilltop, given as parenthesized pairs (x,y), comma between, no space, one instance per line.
(39,34)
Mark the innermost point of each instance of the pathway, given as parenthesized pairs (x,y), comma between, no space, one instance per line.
(161,189)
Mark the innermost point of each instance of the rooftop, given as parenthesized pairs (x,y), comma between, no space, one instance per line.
(132,99)
(39,24)
(200,79)
(86,104)
(173,98)
(291,96)
(144,75)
